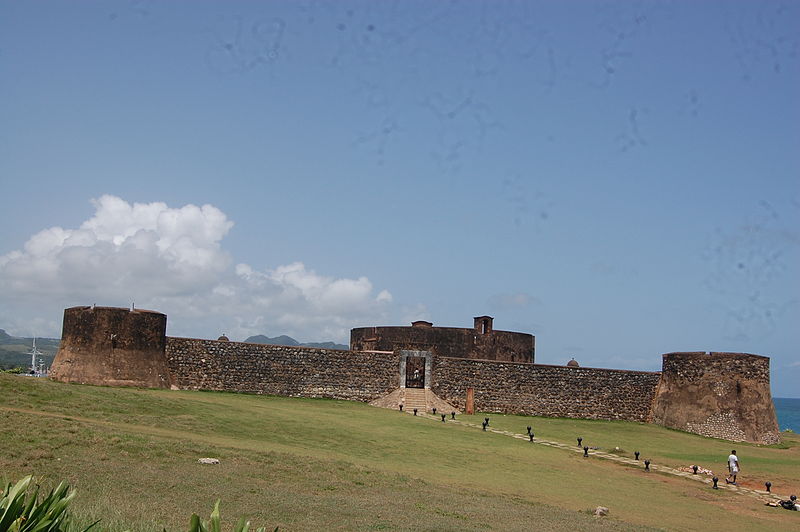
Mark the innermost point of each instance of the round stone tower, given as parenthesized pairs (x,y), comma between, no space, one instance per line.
(112,346)
(721,395)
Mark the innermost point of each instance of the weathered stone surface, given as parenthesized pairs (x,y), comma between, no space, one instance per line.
(535,389)
(112,346)
(722,395)
(480,342)
(292,371)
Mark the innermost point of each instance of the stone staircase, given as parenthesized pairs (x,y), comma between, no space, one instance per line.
(423,400)
(415,398)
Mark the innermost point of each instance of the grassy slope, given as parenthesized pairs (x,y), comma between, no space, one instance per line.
(780,464)
(314,464)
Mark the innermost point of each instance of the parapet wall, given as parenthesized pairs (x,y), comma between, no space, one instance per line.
(112,346)
(447,342)
(556,391)
(723,395)
(281,370)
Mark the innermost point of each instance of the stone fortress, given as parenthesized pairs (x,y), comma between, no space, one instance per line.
(721,395)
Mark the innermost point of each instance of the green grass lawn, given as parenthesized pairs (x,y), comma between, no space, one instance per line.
(305,464)
(779,464)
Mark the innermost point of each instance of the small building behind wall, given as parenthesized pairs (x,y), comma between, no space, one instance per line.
(481,342)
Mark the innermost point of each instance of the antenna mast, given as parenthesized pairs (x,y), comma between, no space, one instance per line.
(34,353)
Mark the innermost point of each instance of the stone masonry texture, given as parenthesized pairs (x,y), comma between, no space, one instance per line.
(281,370)
(112,346)
(499,387)
(556,391)
(447,342)
(724,395)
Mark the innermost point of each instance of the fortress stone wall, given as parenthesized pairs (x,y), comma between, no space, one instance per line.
(542,390)
(723,395)
(291,371)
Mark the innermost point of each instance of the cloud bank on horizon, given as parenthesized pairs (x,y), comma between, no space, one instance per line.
(171,260)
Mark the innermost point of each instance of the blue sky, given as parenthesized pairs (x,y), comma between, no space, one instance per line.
(620,179)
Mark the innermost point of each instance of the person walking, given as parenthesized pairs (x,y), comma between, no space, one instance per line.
(733,468)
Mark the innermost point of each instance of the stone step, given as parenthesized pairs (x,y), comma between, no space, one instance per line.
(421,399)
(409,400)
(415,398)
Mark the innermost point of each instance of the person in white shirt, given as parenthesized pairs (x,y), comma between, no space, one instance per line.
(733,467)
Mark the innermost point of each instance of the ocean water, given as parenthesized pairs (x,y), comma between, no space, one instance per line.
(788,412)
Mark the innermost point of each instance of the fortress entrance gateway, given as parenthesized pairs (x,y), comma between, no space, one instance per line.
(415,369)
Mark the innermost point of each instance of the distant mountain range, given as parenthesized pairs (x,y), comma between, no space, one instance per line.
(288,340)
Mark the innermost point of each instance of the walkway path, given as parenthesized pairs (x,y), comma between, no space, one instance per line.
(759,494)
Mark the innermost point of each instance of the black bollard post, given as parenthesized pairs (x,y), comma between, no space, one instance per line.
(636,454)
(444,416)
(769,486)
(529,429)
(585,451)
(694,469)
(647,465)
(579,441)
(531,436)
(415,411)
(452,415)
(434,410)
(715,480)
(401,408)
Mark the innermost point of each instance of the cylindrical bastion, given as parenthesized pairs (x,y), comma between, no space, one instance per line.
(112,346)
(481,342)
(721,395)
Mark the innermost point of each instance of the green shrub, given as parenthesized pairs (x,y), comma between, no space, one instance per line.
(21,510)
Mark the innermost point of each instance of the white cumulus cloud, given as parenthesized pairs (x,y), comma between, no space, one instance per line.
(171,260)
(123,252)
